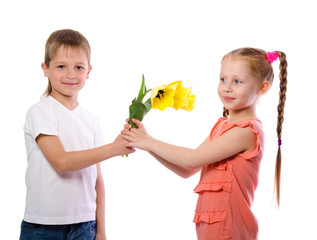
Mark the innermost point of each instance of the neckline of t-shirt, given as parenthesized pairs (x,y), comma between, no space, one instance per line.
(52,99)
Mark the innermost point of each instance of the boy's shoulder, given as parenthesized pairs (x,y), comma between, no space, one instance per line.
(42,105)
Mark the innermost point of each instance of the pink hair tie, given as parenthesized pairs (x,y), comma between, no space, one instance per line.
(271,56)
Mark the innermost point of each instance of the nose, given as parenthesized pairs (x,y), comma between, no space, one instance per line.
(70,73)
(227,87)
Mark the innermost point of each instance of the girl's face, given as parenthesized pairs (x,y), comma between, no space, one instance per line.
(68,71)
(238,89)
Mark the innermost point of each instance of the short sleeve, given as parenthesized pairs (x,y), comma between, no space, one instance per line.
(255,126)
(259,142)
(40,120)
(98,136)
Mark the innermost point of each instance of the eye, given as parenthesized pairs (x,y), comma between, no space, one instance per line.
(79,67)
(223,79)
(237,81)
(61,66)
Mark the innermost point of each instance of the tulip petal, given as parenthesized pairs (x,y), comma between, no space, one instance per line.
(162,97)
(180,95)
(189,105)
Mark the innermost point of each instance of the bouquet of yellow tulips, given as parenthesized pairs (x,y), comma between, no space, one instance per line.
(173,95)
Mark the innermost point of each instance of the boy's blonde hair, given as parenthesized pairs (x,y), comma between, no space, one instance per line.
(66,38)
(262,69)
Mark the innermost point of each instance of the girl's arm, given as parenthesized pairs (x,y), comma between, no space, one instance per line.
(234,141)
(180,171)
(63,161)
(100,202)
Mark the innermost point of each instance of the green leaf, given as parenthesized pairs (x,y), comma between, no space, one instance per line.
(137,110)
(142,91)
(148,105)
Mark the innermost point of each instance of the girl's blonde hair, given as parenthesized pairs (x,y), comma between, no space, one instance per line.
(66,38)
(263,71)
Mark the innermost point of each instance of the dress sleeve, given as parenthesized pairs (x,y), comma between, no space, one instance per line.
(256,127)
(259,141)
(40,120)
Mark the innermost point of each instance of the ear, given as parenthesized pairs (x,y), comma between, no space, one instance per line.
(45,69)
(265,87)
(89,71)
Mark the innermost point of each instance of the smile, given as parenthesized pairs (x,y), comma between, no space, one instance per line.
(228,99)
(69,84)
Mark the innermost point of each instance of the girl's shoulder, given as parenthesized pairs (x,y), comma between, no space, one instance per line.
(223,125)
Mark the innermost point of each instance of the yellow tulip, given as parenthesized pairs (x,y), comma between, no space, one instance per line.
(189,104)
(174,95)
(162,96)
(182,97)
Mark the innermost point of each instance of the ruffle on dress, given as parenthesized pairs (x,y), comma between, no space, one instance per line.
(214,190)
(220,166)
(220,192)
(210,216)
(213,186)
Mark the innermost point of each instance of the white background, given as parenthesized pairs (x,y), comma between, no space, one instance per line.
(167,40)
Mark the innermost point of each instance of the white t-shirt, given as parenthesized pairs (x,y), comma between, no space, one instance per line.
(54,198)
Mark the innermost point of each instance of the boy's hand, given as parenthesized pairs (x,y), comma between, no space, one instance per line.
(121,146)
(100,236)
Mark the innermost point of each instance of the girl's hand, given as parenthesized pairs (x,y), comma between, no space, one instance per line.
(138,123)
(137,137)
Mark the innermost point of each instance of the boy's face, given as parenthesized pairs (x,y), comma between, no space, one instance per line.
(68,71)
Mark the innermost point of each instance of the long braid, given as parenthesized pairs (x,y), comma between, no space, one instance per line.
(280,119)
(225,112)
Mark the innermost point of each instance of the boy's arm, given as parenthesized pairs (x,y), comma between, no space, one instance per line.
(100,202)
(63,161)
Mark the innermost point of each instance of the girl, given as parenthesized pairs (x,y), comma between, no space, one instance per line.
(230,157)
(65,189)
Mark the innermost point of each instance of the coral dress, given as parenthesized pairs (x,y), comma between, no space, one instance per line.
(226,190)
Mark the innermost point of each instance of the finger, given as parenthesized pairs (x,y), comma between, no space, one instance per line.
(126,132)
(132,150)
(134,131)
(126,126)
(127,140)
(128,136)
(130,145)
(137,122)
